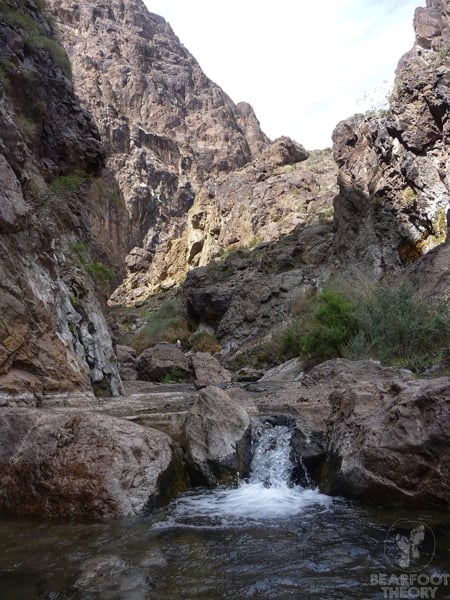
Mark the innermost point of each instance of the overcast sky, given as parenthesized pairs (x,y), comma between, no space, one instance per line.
(302,64)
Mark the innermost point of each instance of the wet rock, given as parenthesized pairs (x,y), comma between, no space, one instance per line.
(218,436)
(64,464)
(163,360)
(208,370)
(389,443)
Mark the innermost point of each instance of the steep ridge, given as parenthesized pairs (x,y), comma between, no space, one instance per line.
(172,137)
(394,178)
(53,336)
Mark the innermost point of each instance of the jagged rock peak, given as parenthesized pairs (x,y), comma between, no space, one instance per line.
(145,88)
(394,168)
(173,139)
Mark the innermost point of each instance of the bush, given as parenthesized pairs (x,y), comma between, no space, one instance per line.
(165,324)
(205,342)
(397,326)
(332,326)
(389,323)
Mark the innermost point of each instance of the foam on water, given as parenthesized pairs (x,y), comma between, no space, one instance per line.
(267,494)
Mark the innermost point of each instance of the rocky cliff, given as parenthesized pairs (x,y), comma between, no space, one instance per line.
(53,336)
(197,174)
(394,181)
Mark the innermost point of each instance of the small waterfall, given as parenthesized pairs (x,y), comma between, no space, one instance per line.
(268,492)
(271,463)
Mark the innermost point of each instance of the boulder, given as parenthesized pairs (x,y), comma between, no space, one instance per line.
(217,436)
(163,361)
(247,374)
(208,370)
(126,357)
(389,441)
(61,464)
(292,370)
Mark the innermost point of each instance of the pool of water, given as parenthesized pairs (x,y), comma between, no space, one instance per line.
(265,538)
(194,550)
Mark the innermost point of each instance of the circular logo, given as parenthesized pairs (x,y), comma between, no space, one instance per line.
(409,545)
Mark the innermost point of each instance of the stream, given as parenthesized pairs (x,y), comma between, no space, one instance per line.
(265,538)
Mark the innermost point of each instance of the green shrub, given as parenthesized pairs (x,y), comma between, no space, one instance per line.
(397,326)
(174,375)
(67,183)
(330,329)
(389,323)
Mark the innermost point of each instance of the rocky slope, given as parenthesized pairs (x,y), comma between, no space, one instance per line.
(53,336)
(195,170)
(394,169)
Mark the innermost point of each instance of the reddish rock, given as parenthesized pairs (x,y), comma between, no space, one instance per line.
(163,360)
(60,464)
(216,436)
(208,370)
(389,442)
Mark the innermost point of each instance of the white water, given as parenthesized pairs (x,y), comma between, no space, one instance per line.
(267,494)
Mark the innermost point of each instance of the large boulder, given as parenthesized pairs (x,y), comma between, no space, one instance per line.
(217,436)
(60,464)
(208,370)
(163,361)
(389,441)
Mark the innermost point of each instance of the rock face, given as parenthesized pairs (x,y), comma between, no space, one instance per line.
(394,170)
(53,336)
(250,292)
(389,443)
(173,138)
(218,436)
(58,464)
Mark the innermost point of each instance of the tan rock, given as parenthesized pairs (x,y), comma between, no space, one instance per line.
(217,430)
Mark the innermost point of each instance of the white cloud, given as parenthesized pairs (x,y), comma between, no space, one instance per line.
(302,65)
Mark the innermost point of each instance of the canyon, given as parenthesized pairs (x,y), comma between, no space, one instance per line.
(132,180)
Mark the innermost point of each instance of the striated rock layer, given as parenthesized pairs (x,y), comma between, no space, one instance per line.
(172,138)
(53,336)
(394,169)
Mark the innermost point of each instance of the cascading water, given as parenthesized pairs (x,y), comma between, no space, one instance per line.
(266,538)
(267,493)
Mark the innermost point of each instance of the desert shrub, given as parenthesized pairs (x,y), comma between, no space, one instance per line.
(174,375)
(67,183)
(397,326)
(330,328)
(205,342)
(80,253)
(165,324)
(389,323)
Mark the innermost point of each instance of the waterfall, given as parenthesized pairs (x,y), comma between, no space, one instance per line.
(268,492)
(271,463)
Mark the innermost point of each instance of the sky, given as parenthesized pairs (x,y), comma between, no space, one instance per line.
(303,65)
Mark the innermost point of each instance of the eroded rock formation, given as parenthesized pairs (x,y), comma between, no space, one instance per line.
(173,138)
(53,336)
(394,169)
